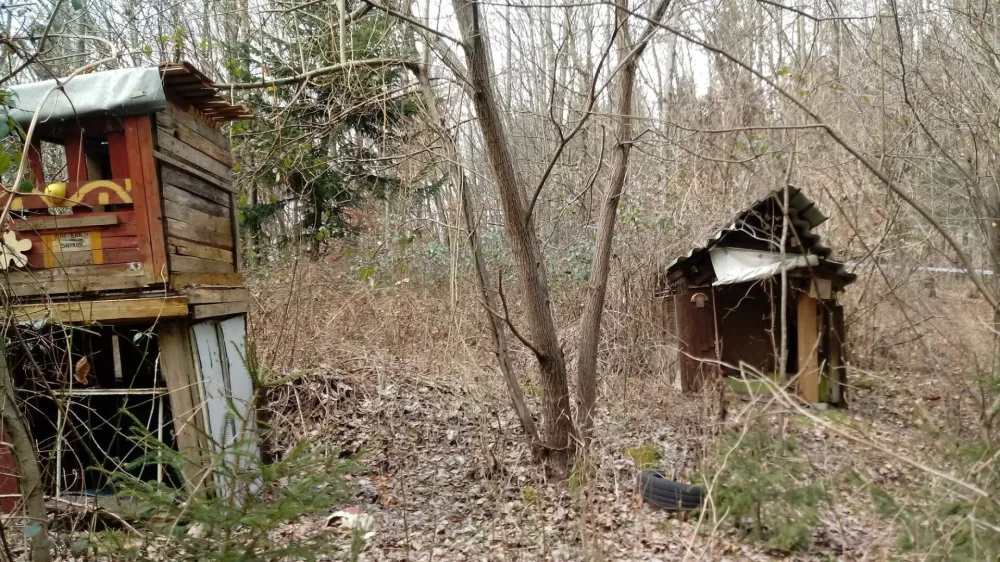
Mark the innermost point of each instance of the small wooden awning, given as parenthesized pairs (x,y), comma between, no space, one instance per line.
(183,80)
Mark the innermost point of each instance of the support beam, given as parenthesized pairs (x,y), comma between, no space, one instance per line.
(808,348)
(104,311)
(177,364)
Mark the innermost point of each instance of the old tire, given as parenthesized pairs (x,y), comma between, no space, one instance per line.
(657,490)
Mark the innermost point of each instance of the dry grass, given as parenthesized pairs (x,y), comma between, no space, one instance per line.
(402,374)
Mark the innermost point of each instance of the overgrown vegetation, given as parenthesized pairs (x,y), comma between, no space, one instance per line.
(760,485)
(245,512)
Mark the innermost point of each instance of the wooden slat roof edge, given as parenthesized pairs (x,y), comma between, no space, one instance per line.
(215,106)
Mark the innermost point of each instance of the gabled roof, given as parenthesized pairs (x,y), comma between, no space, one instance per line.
(762,219)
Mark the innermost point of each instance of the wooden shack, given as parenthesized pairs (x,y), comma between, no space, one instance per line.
(131,217)
(720,304)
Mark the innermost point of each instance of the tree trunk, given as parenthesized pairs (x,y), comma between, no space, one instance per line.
(29,476)
(593,307)
(486,289)
(523,239)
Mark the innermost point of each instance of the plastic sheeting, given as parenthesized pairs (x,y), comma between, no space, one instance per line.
(736,265)
(127,91)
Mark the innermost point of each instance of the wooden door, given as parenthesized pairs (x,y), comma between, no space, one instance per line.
(695,310)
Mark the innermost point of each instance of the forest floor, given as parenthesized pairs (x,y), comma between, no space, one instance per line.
(443,467)
(446,474)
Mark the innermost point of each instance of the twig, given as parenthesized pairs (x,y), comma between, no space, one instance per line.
(101,510)
(506,319)
(332,69)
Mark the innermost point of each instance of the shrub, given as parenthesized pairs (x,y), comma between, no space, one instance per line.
(243,514)
(762,488)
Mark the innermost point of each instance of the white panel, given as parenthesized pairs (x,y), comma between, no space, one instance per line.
(234,335)
(736,265)
(213,378)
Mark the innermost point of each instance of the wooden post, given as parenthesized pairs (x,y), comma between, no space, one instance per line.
(808,348)
(177,365)
(25,460)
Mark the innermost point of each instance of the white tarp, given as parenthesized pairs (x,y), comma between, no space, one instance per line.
(126,91)
(736,265)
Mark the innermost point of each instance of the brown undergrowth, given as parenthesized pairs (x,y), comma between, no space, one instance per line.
(399,375)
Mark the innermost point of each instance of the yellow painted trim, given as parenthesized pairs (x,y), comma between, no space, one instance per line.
(48,258)
(96,247)
(90,186)
(17,204)
(103,199)
(103,311)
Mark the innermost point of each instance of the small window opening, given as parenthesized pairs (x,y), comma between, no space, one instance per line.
(117,406)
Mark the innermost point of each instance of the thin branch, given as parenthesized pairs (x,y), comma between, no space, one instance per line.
(411,21)
(839,138)
(41,44)
(506,319)
(332,69)
(809,16)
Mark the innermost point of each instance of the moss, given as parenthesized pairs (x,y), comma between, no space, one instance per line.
(531,389)
(529,495)
(644,456)
(864,383)
(582,473)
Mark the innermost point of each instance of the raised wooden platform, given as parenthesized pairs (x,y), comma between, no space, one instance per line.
(196,303)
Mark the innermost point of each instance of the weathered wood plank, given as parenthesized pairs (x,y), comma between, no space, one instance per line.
(76,279)
(60,222)
(181,229)
(76,159)
(200,143)
(181,179)
(85,257)
(154,207)
(808,348)
(35,163)
(190,200)
(235,220)
(194,157)
(177,364)
(187,248)
(207,295)
(177,162)
(107,242)
(125,227)
(218,309)
(140,187)
(189,264)
(202,279)
(104,311)
(178,114)
(193,216)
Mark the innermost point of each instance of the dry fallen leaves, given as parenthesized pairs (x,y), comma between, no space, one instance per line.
(81,370)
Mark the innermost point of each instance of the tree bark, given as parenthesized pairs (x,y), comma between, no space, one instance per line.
(25,459)
(524,242)
(486,289)
(600,267)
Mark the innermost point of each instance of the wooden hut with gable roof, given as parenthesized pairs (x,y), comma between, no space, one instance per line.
(129,227)
(720,303)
